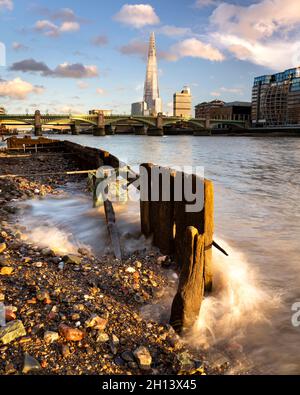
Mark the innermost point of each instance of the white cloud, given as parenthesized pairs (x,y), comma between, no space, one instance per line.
(273,54)
(47,28)
(76,70)
(18,46)
(258,20)
(64,70)
(265,33)
(137,15)
(69,27)
(195,48)
(18,89)
(6,4)
(50,29)
(215,94)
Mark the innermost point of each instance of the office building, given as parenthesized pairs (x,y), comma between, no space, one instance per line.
(218,109)
(139,109)
(182,103)
(276,99)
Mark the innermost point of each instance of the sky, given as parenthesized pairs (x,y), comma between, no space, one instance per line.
(75,55)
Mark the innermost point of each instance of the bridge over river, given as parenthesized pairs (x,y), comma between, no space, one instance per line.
(103,125)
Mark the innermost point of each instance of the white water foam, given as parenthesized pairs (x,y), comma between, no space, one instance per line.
(237,302)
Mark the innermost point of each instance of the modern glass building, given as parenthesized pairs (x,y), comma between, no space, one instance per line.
(276,99)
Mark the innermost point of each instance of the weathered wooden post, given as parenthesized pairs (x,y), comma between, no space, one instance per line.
(182,218)
(145,201)
(37,123)
(208,232)
(162,209)
(187,302)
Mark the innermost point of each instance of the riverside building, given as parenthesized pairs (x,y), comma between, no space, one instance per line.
(218,109)
(182,103)
(276,99)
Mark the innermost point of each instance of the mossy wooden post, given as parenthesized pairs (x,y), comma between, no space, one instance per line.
(208,232)
(187,302)
(145,201)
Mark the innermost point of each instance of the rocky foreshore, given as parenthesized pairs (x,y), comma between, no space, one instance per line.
(79,313)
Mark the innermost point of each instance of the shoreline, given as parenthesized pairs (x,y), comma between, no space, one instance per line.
(59,298)
(80,314)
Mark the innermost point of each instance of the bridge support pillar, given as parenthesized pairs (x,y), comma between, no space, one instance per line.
(141,130)
(75,128)
(99,131)
(37,124)
(155,132)
(109,130)
(207,123)
(159,129)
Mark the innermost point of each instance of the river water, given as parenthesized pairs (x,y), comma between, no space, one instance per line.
(257,216)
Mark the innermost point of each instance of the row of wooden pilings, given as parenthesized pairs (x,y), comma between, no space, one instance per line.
(187,236)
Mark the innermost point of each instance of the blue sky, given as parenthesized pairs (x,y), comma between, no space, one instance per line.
(76,55)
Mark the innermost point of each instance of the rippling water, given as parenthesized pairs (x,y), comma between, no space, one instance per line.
(257,190)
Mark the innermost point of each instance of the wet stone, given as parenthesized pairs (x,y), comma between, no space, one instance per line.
(30,364)
(46,252)
(119,361)
(71,334)
(13,330)
(72,259)
(65,350)
(2,247)
(6,271)
(102,337)
(127,356)
(185,361)
(96,322)
(143,357)
(51,337)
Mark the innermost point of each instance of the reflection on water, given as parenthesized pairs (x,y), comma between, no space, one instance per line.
(257,189)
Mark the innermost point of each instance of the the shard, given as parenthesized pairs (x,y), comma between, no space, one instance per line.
(151,90)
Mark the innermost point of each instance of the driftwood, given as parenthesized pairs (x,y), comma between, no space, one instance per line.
(187,302)
(112,228)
